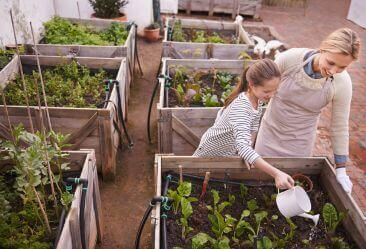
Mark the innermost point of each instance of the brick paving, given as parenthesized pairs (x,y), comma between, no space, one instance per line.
(298,30)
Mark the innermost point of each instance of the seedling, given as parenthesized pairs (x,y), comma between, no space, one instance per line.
(331,217)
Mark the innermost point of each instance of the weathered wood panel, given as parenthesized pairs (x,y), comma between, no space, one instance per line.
(233,7)
(100,135)
(355,223)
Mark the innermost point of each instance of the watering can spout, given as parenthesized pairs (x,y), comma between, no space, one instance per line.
(314,218)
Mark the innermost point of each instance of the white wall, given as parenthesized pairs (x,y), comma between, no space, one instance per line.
(24,11)
(357,12)
(139,11)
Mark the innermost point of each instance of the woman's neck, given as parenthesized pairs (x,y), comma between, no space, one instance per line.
(315,64)
(253,99)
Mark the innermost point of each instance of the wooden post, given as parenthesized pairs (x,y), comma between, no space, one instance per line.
(106,148)
(211,7)
(166,131)
(189,6)
(97,205)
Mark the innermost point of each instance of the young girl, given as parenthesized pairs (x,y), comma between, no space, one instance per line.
(311,79)
(239,118)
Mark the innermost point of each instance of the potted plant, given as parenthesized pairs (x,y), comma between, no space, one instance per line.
(151,32)
(109,9)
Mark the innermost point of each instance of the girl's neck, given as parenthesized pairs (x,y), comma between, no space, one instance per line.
(253,99)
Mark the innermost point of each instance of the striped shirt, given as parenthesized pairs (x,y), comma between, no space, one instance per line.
(231,133)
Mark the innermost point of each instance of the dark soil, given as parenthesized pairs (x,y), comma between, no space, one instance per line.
(205,79)
(229,36)
(317,236)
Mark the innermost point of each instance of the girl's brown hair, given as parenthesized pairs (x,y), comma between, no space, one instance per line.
(344,41)
(257,74)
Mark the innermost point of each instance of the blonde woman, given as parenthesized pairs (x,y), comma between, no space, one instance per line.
(239,118)
(311,79)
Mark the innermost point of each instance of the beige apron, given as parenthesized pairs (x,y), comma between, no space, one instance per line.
(289,125)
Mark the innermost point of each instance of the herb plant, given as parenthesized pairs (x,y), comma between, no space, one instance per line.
(26,204)
(61,31)
(66,85)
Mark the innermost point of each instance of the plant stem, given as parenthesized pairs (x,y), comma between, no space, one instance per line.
(42,210)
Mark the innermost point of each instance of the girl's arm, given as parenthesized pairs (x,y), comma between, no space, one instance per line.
(240,117)
(282,180)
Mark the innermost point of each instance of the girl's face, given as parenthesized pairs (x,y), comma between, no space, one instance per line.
(266,91)
(332,63)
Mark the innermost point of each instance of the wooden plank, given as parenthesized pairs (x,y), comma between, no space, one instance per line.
(211,7)
(91,62)
(157,206)
(106,148)
(75,228)
(89,204)
(79,135)
(9,72)
(97,206)
(355,221)
(185,131)
(165,131)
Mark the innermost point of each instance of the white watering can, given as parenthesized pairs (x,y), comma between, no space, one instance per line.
(295,202)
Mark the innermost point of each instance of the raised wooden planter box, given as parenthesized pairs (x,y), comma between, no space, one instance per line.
(180,128)
(354,223)
(127,50)
(70,236)
(233,7)
(190,50)
(90,128)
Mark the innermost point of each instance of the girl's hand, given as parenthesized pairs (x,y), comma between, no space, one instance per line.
(284,181)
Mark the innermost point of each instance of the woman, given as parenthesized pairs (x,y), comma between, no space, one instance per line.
(310,80)
(239,118)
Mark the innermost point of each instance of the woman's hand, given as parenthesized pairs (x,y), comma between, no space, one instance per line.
(283,180)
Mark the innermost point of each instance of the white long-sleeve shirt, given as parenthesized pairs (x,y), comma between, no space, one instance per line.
(232,132)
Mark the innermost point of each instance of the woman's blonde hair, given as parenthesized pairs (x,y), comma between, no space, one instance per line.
(257,74)
(345,41)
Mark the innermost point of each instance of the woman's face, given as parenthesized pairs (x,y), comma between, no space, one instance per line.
(332,63)
(265,91)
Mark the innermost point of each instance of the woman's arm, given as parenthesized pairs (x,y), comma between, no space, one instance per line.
(339,127)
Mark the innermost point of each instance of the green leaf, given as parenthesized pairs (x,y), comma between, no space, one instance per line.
(231,199)
(216,196)
(200,240)
(245,213)
(264,243)
(252,205)
(222,205)
(187,209)
(243,190)
(209,208)
(330,217)
(274,217)
(184,189)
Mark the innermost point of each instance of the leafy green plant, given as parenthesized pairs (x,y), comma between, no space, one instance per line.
(215,38)
(190,94)
(224,78)
(67,85)
(5,56)
(331,217)
(210,100)
(107,8)
(339,243)
(178,34)
(243,190)
(154,25)
(181,198)
(27,223)
(264,243)
(61,31)
(199,37)
(252,205)
(242,226)
(116,34)
(200,240)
